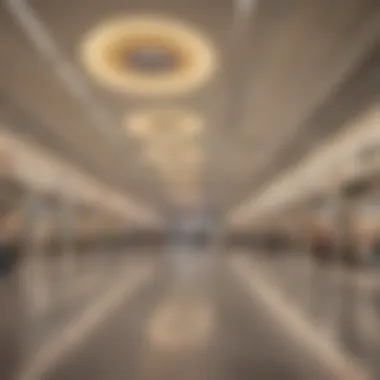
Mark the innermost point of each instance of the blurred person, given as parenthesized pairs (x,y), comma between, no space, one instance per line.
(8,243)
(322,245)
(375,248)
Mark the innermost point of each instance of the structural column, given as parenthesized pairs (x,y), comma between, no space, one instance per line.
(351,197)
(66,229)
(34,268)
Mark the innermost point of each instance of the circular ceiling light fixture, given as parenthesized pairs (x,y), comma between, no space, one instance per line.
(164,124)
(148,56)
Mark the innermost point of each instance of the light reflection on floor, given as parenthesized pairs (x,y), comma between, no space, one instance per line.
(193,315)
(180,323)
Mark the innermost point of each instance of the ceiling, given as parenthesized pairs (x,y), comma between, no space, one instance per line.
(351,155)
(267,82)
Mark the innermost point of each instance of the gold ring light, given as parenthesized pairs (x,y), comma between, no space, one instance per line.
(148,56)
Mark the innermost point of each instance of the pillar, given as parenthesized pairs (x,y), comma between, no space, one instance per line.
(67,255)
(351,195)
(34,266)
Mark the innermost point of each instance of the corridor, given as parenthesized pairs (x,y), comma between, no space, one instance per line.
(190,190)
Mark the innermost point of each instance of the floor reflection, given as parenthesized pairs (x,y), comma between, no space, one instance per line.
(191,319)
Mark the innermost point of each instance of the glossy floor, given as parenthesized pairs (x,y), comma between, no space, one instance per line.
(144,316)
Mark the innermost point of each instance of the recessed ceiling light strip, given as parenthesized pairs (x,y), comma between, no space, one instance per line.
(28,160)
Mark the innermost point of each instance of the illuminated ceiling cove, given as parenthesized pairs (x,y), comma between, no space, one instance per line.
(148,55)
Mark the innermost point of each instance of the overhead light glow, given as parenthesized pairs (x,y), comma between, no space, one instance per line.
(148,55)
(164,123)
(170,138)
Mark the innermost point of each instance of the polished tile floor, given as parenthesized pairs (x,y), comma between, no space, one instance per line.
(343,304)
(191,318)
